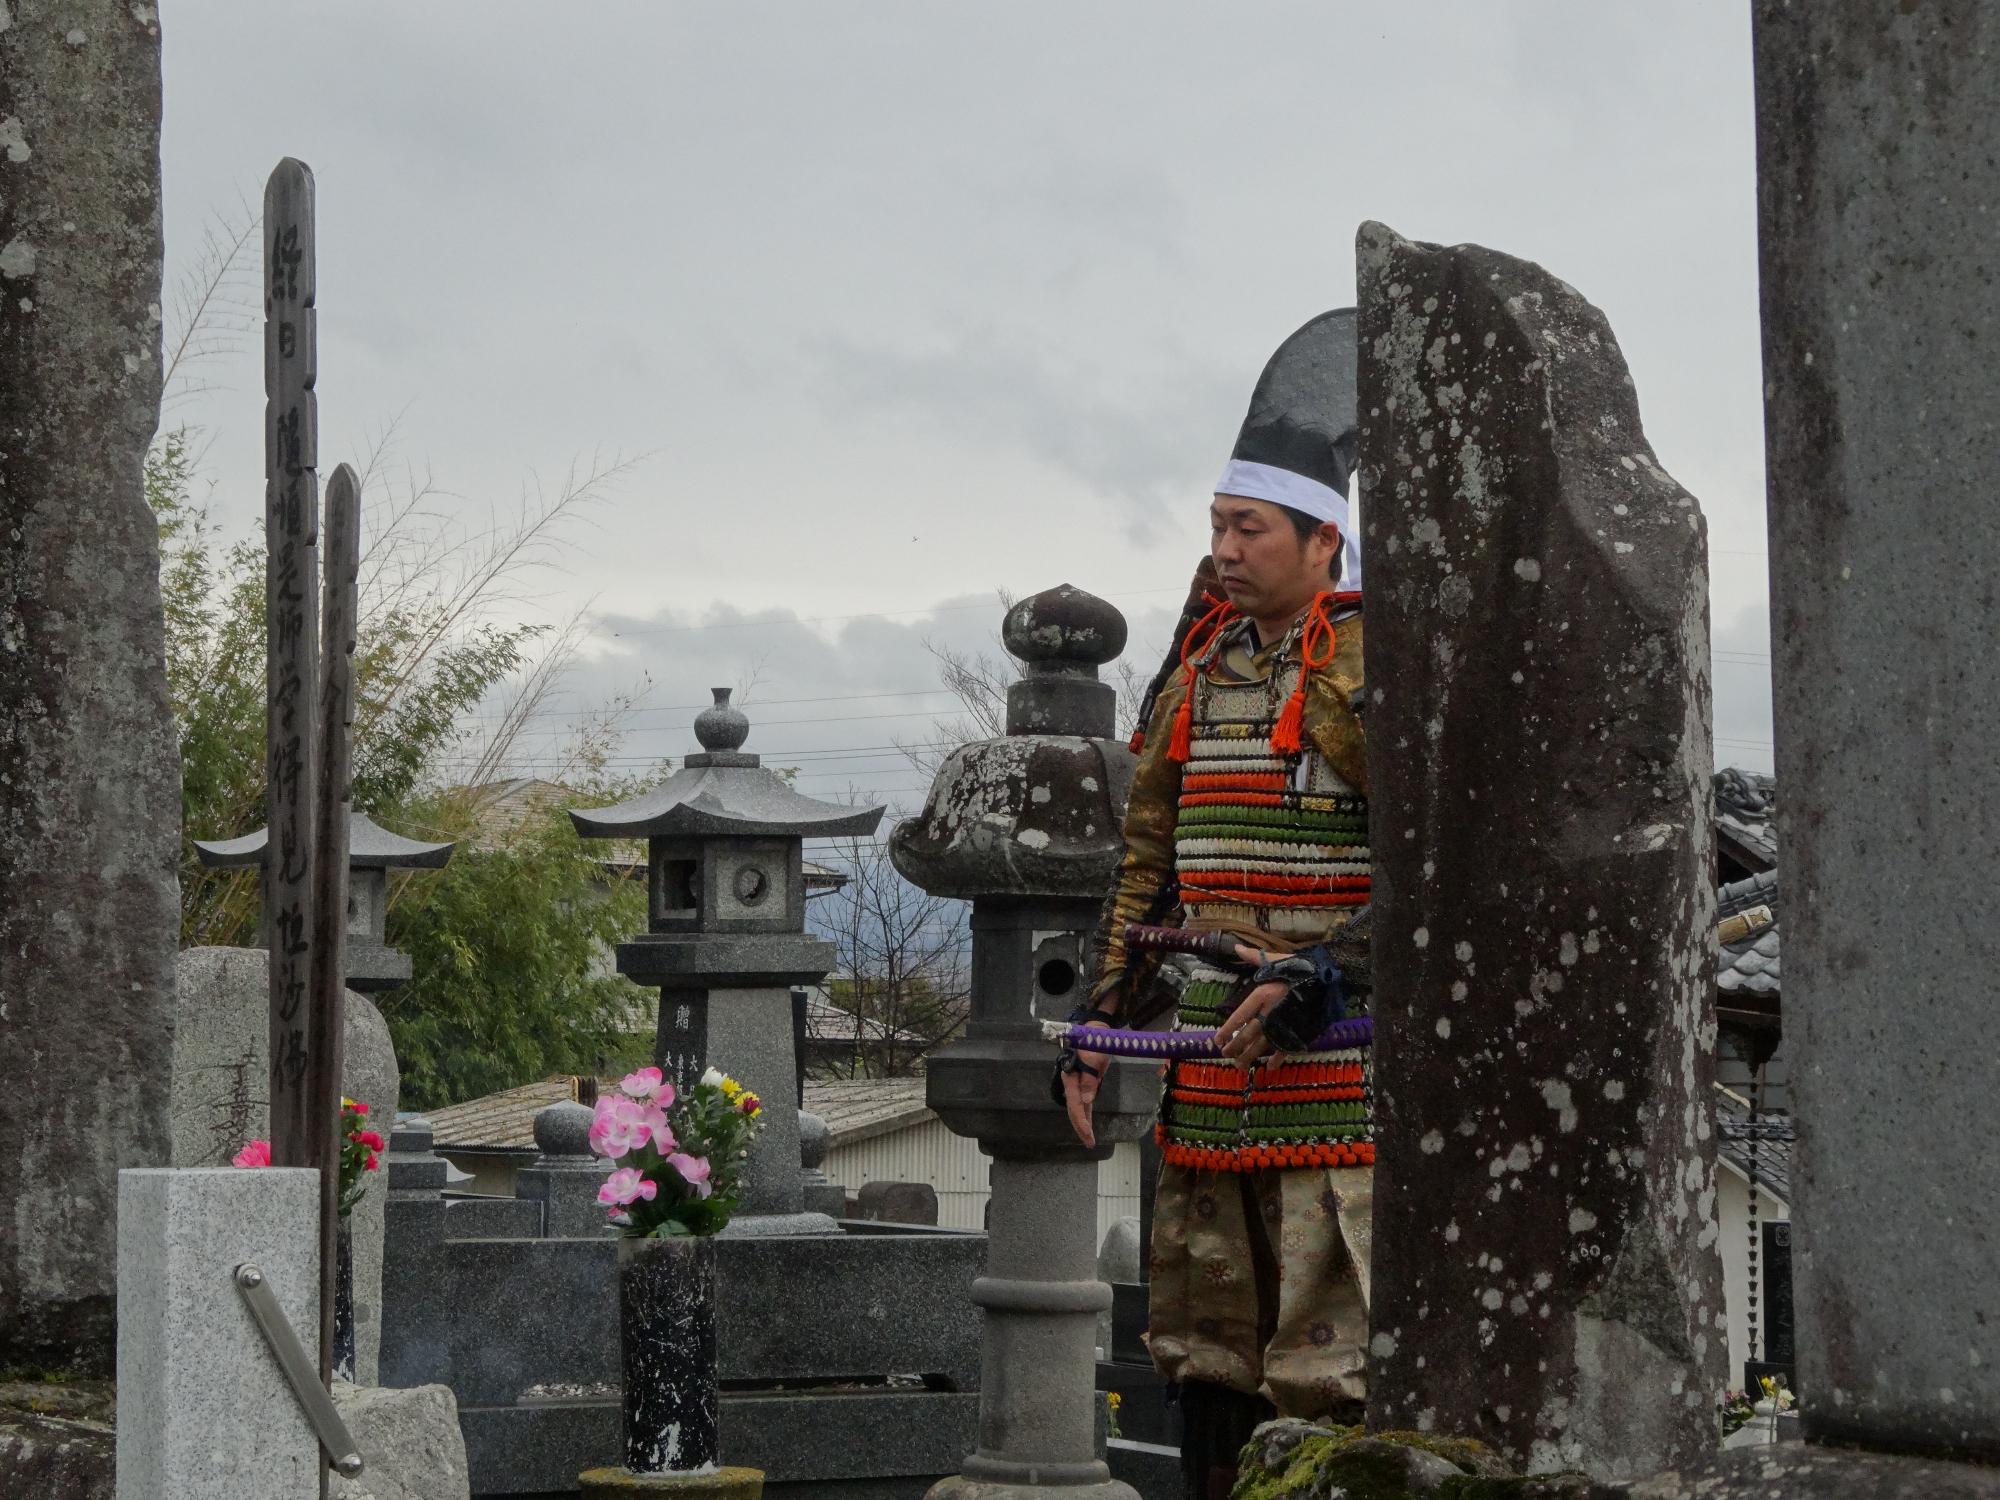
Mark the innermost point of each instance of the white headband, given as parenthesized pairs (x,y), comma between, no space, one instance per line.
(1296,492)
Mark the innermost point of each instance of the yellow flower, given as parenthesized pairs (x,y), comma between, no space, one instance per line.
(1113,1400)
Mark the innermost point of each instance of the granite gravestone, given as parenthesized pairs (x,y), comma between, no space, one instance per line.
(1878,139)
(89,772)
(221,1062)
(1546,1276)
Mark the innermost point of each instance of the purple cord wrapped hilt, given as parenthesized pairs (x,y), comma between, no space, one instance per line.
(1342,1036)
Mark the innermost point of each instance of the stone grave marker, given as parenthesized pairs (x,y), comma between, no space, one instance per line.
(1545,1272)
(89,767)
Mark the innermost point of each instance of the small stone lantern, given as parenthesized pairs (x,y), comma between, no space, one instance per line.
(726,941)
(1028,828)
(372,851)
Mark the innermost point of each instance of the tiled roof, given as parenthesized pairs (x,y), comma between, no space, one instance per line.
(854,1110)
(1746,808)
(1763,1148)
(1749,967)
(501,1121)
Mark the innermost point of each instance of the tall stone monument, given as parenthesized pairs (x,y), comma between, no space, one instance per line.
(1878,144)
(1546,1276)
(89,770)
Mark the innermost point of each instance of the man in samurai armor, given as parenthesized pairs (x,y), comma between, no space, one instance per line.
(1249,817)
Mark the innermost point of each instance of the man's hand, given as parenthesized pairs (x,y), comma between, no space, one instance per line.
(1241,1038)
(1080,1089)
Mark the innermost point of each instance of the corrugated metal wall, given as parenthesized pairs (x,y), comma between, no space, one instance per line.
(957,1171)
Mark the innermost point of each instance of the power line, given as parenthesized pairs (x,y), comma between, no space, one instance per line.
(872,614)
(674,708)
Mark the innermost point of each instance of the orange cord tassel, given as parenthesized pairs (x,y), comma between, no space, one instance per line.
(1181,745)
(1288,734)
(1204,630)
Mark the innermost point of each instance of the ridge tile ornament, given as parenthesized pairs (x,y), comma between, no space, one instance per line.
(1546,1277)
(1027,827)
(372,851)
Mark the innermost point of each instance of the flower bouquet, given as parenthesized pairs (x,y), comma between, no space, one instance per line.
(360,1153)
(678,1165)
(679,1156)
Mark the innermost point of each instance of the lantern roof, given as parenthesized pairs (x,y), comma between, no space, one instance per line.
(370,846)
(724,792)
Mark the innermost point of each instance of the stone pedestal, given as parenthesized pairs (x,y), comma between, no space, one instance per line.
(723,1484)
(203,1407)
(566,1176)
(1878,137)
(1546,1278)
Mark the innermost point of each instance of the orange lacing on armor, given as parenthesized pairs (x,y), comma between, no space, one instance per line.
(1288,734)
(1252,1158)
(1200,634)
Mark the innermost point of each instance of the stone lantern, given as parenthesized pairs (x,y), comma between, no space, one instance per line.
(1027,828)
(726,941)
(372,851)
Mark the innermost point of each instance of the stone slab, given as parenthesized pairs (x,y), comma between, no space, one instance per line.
(89,761)
(493,1219)
(1144,1416)
(1803,1471)
(1546,1277)
(204,1408)
(56,1440)
(860,1434)
(1877,170)
(898,1202)
(822,1307)
(1150,1468)
(527,1313)
(538,1447)
(410,1444)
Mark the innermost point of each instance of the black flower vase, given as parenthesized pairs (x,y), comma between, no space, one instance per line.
(666,1317)
(343,1300)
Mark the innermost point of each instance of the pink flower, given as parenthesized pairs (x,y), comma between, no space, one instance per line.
(374,1161)
(358,1107)
(622,1125)
(255,1154)
(626,1185)
(370,1139)
(648,1083)
(693,1170)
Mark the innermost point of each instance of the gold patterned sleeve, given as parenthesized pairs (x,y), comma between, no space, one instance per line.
(1149,851)
(1331,718)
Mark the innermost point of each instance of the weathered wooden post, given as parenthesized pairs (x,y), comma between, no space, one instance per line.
(309,711)
(291,522)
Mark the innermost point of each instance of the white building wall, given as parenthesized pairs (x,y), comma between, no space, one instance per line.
(957,1171)
(1732,1212)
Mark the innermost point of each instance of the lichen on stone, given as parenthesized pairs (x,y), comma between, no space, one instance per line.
(1290,1459)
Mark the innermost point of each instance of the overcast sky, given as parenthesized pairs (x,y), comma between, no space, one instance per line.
(904,304)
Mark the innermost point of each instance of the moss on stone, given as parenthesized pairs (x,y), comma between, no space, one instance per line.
(1360,1465)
